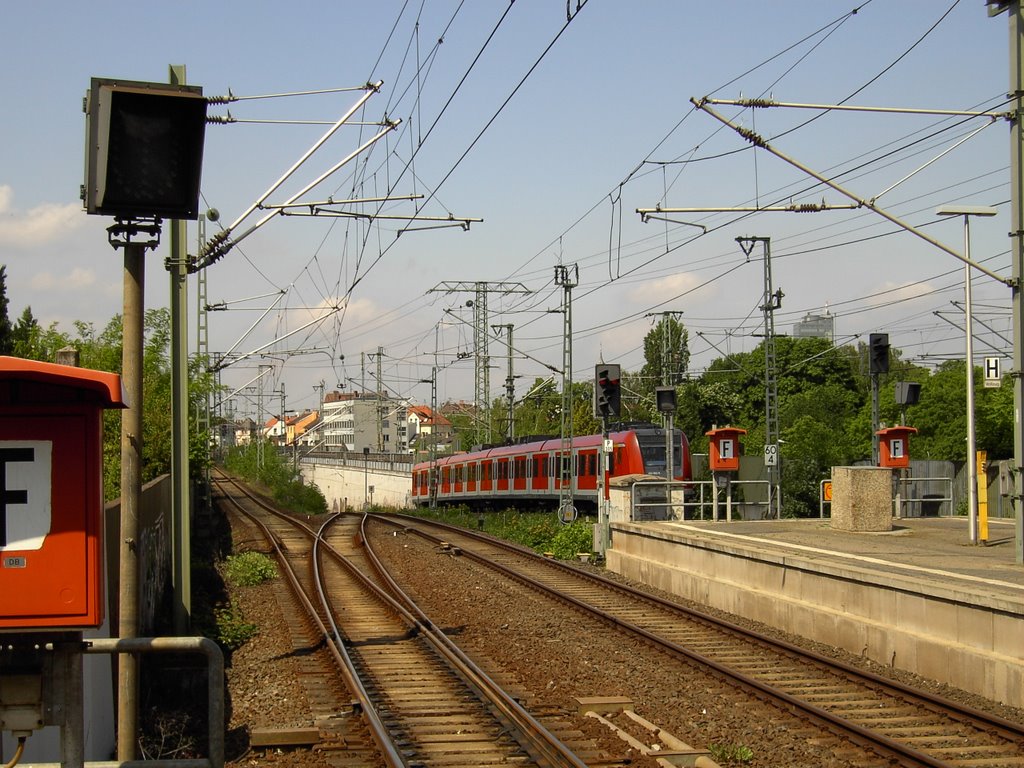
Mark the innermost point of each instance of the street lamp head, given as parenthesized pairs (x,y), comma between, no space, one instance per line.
(966,210)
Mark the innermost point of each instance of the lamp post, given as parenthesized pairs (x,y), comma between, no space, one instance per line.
(366,476)
(972,461)
(432,476)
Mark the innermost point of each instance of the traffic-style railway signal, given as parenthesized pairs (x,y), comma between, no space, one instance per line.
(878,353)
(607,391)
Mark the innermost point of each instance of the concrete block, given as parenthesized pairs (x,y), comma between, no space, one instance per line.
(1008,635)
(974,628)
(862,499)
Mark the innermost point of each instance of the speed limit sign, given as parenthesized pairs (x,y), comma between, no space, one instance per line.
(771,455)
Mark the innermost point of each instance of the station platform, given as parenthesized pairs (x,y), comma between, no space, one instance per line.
(919,597)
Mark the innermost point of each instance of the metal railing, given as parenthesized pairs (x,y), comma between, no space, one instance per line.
(73,731)
(693,500)
(908,497)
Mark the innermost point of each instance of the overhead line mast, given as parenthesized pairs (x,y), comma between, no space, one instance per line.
(772,301)
(568,278)
(481,336)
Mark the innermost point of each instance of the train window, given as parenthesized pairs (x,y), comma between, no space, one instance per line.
(538,466)
(487,471)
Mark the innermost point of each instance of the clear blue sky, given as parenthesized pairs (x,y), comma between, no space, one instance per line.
(601,126)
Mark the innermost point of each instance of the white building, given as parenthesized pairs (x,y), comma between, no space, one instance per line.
(353,421)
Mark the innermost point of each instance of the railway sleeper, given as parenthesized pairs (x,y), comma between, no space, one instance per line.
(667,750)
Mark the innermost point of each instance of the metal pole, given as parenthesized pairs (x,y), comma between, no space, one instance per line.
(181,565)
(433,438)
(131,493)
(1016,92)
(972,461)
(566,493)
(876,456)
(667,420)
(68,659)
(604,510)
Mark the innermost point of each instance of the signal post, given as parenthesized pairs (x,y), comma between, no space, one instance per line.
(607,404)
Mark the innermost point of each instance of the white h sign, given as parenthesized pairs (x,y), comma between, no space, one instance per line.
(993,372)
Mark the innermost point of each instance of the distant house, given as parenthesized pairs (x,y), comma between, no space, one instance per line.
(427,427)
(244,431)
(297,426)
(274,430)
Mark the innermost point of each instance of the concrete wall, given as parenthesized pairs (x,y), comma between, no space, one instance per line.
(940,631)
(345,486)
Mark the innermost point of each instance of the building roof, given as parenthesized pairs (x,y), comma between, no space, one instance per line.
(426,414)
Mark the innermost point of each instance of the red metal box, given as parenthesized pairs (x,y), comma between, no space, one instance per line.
(51,493)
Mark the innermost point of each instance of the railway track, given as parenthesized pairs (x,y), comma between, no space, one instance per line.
(899,724)
(424,702)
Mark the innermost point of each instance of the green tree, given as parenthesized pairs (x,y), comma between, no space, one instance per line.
(102,351)
(666,353)
(26,336)
(6,335)
(537,412)
(993,420)
(940,416)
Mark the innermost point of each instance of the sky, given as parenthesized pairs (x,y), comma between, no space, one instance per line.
(543,127)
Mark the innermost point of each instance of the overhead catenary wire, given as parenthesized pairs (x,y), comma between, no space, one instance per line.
(639,274)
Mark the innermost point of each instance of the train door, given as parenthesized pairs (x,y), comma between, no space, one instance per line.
(586,479)
(486,476)
(446,480)
(519,471)
(417,485)
(501,480)
(540,472)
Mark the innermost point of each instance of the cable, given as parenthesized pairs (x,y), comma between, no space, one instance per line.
(18,752)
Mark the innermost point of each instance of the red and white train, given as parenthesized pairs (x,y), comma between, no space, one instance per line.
(527,474)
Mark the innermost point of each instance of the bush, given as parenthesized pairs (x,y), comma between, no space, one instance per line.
(573,539)
(233,631)
(540,531)
(249,569)
(278,475)
(299,497)
(730,754)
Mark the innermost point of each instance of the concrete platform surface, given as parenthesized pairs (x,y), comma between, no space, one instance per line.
(934,550)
